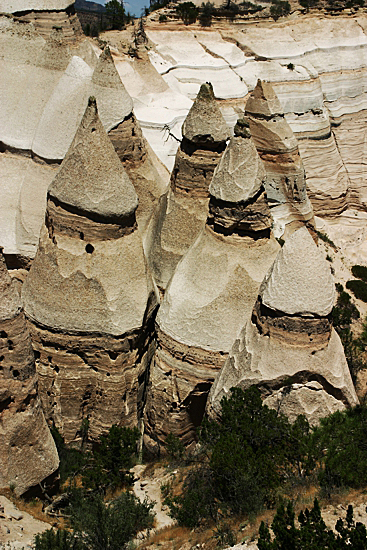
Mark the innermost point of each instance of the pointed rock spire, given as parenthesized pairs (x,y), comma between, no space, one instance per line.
(300,282)
(290,337)
(263,101)
(204,122)
(240,173)
(114,102)
(91,177)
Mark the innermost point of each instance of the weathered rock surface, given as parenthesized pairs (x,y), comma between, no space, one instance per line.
(211,294)
(289,348)
(44,87)
(278,148)
(27,451)
(18,528)
(182,211)
(89,294)
(45,15)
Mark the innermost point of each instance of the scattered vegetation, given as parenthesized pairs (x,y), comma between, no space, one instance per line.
(359,289)
(360,272)
(312,533)
(115,10)
(326,239)
(253,456)
(206,14)
(98,525)
(188,12)
(279,8)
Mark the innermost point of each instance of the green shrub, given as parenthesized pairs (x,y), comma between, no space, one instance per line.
(174,447)
(326,239)
(112,526)
(206,14)
(58,539)
(359,289)
(162,18)
(280,8)
(188,12)
(360,272)
(312,533)
(111,460)
(342,446)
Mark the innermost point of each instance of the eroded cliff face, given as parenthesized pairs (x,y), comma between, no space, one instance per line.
(89,295)
(182,211)
(288,348)
(28,453)
(211,294)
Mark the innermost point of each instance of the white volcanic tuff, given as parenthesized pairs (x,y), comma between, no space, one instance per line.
(300,281)
(91,176)
(240,172)
(13,6)
(29,88)
(217,274)
(258,359)
(24,187)
(70,96)
(87,287)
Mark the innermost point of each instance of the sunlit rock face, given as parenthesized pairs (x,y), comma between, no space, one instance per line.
(27,451)
(278,148)
(45,85)
(211,294)
(288,348)
(89,294)
(45,15)
(182,211)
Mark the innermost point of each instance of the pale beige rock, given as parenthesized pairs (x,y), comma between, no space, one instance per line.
(296,359)
(204,122)
(277,146)
(89,295)
(182,211)
(82,183)
(210,296)
(12,6)
(27,451)
(290,286)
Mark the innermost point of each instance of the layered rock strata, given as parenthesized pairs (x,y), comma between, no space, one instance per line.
(27,451)
(89,294)
(182,211)
(45,15)
(211,294)
(278,148)
(289,348)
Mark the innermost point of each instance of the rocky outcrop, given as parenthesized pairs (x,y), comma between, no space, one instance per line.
(89,295)
(45,15)
(289,348)
(182,211)
(44,88)
(278,148)
(27,451)
(211,293)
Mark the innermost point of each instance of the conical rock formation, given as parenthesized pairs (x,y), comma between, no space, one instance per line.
(182,211)
(211,294)
(89,293)
(289,348)
(27,451)
(278,148)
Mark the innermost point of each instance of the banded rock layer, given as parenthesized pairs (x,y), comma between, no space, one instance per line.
(28,453)
(182,211)
(211,294)
(278,148)
(289,348)
(89,295)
